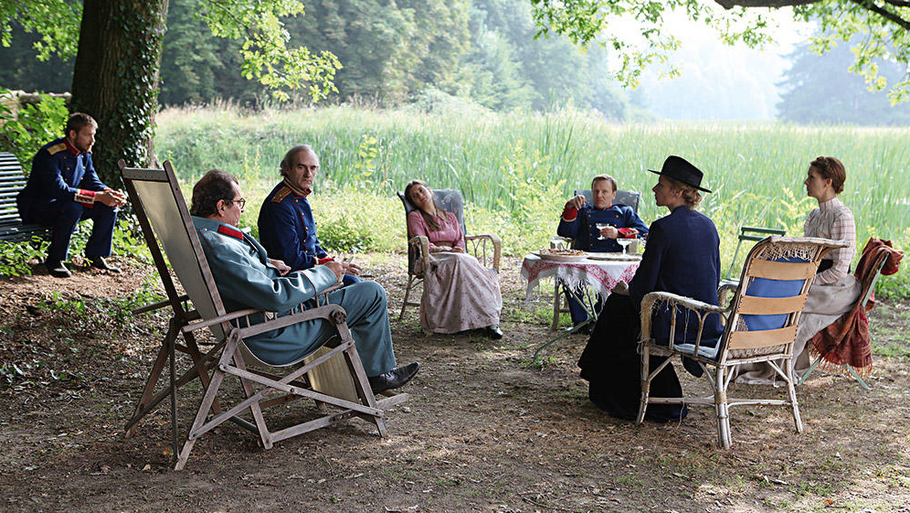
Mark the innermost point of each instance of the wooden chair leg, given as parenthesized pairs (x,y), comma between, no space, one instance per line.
(149,390)
(407,296)
(211,393)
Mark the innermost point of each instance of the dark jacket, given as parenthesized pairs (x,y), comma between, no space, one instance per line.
(287,229)
(584,227)
(682,256)
(58,175)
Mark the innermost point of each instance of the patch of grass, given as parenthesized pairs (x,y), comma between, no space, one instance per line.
(543,362)
(888,325)
(16,257)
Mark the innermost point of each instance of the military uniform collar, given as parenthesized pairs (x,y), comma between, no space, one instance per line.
(296,190)
(230,231)
(204,223)
(74,150)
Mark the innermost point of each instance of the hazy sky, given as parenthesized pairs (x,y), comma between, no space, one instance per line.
(719,81)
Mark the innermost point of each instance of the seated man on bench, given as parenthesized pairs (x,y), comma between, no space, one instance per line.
(247,278)
(63,189)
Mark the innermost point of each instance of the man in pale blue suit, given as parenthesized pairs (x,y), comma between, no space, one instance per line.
(247,278)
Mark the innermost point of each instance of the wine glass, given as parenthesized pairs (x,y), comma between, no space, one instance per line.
(625,245)
(601,226)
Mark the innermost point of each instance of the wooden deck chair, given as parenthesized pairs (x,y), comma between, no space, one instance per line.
(759,326)
(332,377)
(868,284)
(628,198)
(487,248)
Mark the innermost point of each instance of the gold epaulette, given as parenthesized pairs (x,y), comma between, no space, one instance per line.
(281,194)
(57,148)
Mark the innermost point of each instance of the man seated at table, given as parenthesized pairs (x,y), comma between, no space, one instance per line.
(579,222)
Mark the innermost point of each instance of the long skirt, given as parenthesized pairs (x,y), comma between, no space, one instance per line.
(459,294)
(612,366)
(825,304)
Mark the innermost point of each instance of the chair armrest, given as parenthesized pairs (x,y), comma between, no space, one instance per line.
(325,293)
(480,249)
(418,255)
(724,291)
(700,307)
(334,313)
(218,320)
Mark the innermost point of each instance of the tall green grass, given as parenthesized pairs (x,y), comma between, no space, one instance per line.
(516,170)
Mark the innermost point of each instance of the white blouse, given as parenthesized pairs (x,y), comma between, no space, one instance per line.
(833,220)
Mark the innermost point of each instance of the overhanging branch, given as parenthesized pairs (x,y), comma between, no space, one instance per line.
(729,4)
(869,5)
(884,13)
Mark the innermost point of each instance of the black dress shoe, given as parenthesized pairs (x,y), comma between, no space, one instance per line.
(100,263)
(394,378)
(58,270)
(494,332)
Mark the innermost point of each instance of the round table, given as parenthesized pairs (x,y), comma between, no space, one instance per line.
(599,275)
(578,278)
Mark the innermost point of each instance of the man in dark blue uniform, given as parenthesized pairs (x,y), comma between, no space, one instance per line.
(580,222)
(63,189)
(286,227)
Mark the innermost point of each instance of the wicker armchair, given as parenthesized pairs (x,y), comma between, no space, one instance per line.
(760,325)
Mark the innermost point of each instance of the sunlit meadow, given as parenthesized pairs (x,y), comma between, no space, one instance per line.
(516,170)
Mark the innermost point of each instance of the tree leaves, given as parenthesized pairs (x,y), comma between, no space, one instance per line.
(883,25)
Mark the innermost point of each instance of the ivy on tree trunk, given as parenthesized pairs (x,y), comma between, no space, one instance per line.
(115,79)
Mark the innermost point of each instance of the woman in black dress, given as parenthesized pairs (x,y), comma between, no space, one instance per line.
(681,257)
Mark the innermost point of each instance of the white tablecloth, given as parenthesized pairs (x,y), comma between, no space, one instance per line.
(600,275)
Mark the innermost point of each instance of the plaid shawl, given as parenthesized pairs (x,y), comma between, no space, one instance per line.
(846,341)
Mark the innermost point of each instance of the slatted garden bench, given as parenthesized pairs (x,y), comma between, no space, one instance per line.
(12,180)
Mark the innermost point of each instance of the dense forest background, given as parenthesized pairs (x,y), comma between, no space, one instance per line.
(482,54)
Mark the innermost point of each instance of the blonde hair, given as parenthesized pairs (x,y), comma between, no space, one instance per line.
(607,178)
(689,194)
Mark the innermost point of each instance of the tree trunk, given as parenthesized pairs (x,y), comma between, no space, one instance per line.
(115,79)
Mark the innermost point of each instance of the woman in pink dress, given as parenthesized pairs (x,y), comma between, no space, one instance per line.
(458,293)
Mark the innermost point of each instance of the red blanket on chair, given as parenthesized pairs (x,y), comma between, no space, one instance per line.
(846,340)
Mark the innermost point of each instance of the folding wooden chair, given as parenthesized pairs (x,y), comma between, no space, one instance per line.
(330,376)
(487,248)
(749,233)
(868,281)
(759,326)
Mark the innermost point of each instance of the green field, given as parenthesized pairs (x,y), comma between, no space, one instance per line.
(517,170)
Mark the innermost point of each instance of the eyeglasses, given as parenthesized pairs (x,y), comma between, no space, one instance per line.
(240,202)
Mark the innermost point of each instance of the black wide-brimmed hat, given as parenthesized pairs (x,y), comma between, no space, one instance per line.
(680,169)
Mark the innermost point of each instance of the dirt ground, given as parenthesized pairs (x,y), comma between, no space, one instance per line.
(484,429)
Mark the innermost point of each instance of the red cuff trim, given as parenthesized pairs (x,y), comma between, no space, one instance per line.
(85,197)
(230,232)
(324,260)
(627,233)
(569,214)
